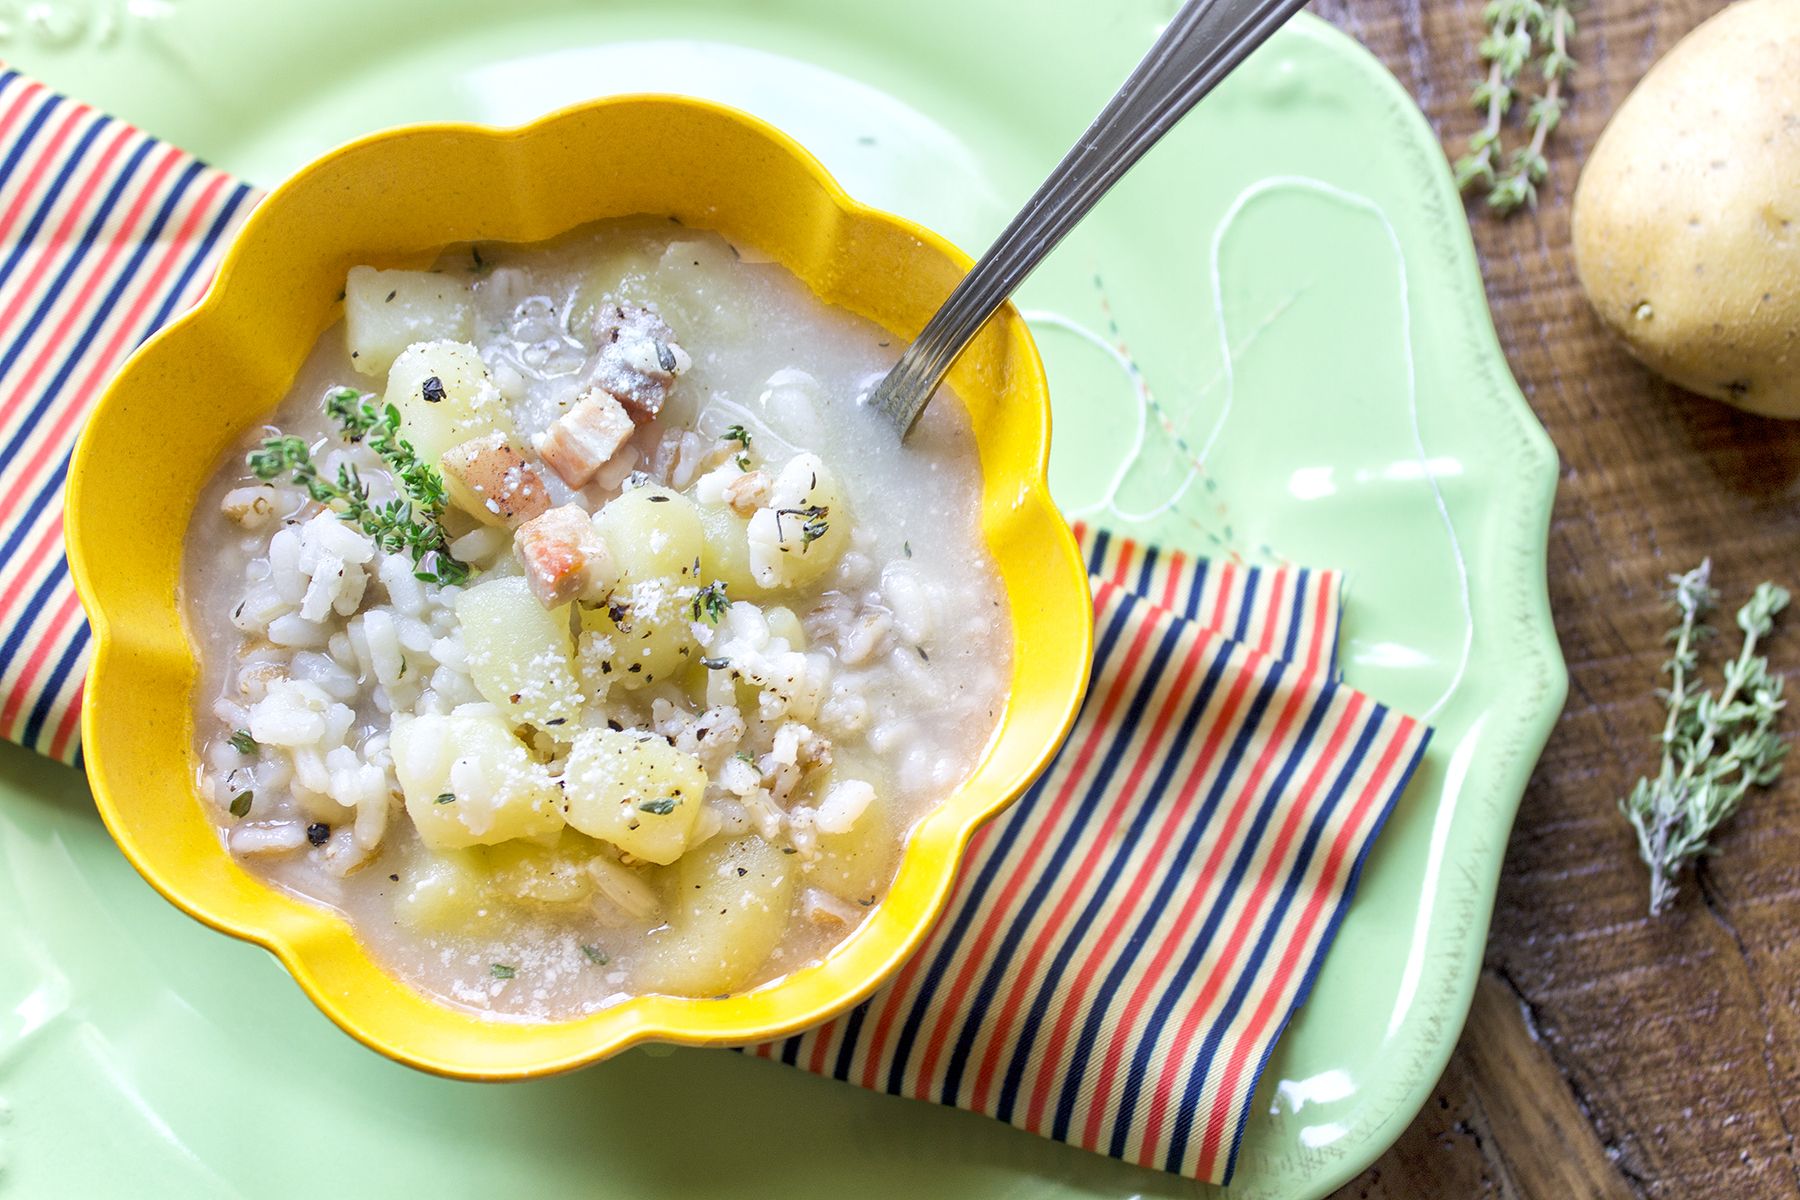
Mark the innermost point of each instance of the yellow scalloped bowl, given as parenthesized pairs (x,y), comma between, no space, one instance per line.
(393,199)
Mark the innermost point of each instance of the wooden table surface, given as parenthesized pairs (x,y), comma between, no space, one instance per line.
(1609,1054)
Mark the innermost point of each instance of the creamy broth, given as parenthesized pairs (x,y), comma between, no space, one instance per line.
(720,643)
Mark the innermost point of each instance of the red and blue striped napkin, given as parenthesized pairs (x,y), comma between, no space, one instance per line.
(105,234)
(1124,945)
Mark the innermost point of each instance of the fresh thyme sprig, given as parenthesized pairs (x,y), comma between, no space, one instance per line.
(1520,32)
(408,522)
(1715,746)
(360,420)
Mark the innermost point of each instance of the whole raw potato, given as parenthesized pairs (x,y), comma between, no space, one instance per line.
(1687,216)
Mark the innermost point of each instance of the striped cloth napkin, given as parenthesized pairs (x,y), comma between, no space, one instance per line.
(105,234)
(1125,943)
(1123,946)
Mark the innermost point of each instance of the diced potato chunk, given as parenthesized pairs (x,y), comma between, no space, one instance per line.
(684,287)
(444,892)
(726,549)
(519,653)
(468,781)
(855,865)
(387,311)
(731,902)
(643,633)
(445,397)
(539,874)
(618,270)
(679,280)
(804,529)
(490,480)
(653,532)
(634,790)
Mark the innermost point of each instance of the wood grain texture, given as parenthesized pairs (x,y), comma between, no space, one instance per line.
(1642,1058)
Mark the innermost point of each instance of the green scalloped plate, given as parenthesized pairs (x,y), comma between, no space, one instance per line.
(1363,419)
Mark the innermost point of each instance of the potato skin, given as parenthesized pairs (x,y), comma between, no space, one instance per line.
(1686,220)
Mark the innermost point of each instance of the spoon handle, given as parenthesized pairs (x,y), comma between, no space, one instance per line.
(1204,41)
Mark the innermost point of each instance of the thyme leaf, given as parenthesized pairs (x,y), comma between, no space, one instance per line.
(1716,745)
(812,523)
(711,602)
(740,435)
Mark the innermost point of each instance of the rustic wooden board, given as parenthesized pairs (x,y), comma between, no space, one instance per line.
(1608,1054)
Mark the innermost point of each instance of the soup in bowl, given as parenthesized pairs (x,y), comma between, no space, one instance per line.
(532,637)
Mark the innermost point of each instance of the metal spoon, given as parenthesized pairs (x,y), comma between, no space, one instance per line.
(1204,41)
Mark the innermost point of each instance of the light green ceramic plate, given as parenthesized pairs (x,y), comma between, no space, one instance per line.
(1364,419)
